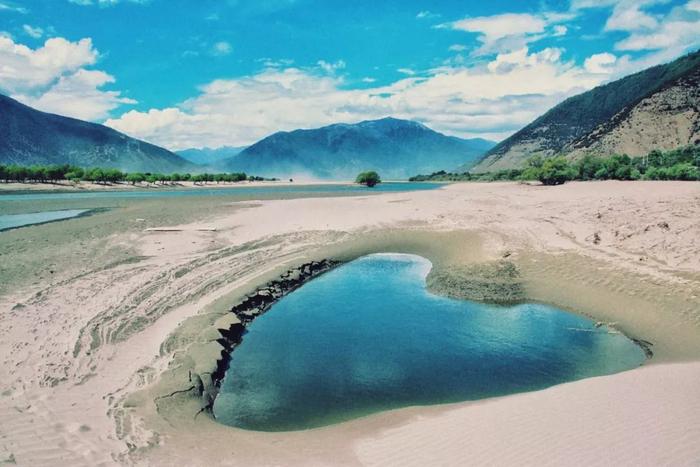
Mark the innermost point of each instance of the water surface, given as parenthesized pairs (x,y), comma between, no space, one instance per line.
(368,337)
(12,221)
(281,190)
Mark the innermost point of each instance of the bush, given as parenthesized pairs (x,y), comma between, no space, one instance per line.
(590,168)
(370,178)
(684,171)
(556,171)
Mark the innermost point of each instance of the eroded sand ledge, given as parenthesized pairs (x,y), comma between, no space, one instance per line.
(145,326)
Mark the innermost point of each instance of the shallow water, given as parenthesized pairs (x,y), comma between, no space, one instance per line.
(281,190)
(368,337)
(12,221)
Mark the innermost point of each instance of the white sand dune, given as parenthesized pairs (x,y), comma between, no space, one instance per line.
(650,416)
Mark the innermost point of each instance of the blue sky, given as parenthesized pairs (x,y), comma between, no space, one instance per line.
(186,73)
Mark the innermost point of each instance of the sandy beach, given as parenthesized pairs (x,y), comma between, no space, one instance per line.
(84,186)
(104,319)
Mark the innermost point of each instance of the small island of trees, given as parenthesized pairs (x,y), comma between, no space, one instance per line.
(370,178)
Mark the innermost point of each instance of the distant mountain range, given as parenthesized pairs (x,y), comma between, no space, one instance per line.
(658,108)
(395,148)
(209,156)
(28,136)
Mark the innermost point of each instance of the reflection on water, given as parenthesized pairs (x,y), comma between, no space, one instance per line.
(12,221)
(368,337)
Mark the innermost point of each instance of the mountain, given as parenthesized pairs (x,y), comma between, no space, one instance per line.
(28,136)
(395,148)
(658,108)
(209,156)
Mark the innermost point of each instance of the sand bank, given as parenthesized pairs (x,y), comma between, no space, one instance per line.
(66,186)
(96,366)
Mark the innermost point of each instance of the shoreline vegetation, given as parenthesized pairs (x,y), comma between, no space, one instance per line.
(54,174)
(682,164)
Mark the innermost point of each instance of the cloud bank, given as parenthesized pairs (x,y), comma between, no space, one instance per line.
(54,78)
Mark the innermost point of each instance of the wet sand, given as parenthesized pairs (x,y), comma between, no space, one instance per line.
(97,355)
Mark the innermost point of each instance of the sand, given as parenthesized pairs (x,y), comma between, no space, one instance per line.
(66,186)
(95,361)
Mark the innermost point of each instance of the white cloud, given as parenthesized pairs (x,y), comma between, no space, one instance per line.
(500,26)
(510,31)
(661,37)
(457,48)
(104,3)
(628,15)
(221,48)
(559,30)
(406,71)
(670,34)
(78,95)
(8,6)
(331,67)
(53,78)
(492,100)
(367,79)
(426,14)
(600,63)
(676,32)
(34,32)
(23,68)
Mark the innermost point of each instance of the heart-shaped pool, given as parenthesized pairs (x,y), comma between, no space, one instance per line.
(368,337)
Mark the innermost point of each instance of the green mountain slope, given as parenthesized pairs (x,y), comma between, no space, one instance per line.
(578,124)
(28,136)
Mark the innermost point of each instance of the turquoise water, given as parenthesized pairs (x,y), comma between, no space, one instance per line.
(281,190)
(12,221)
(368,337)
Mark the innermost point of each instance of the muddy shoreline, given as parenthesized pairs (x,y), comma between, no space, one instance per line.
(206,385)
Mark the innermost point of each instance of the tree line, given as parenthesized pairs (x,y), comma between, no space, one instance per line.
(58,173)
(677,164)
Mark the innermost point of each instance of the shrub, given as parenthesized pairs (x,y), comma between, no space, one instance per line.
(556,171)
(370,178)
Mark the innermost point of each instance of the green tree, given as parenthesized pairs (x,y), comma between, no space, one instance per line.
(73,173)
(113,175)
(370,178)
(37,173)
(17,173)
(135,178)
(556,171)
(588,167)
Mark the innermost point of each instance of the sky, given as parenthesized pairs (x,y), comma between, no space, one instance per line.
(209,73)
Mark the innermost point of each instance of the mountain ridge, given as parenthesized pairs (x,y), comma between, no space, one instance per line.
(29,136)
(209,156)
(396,148)
(575,126)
